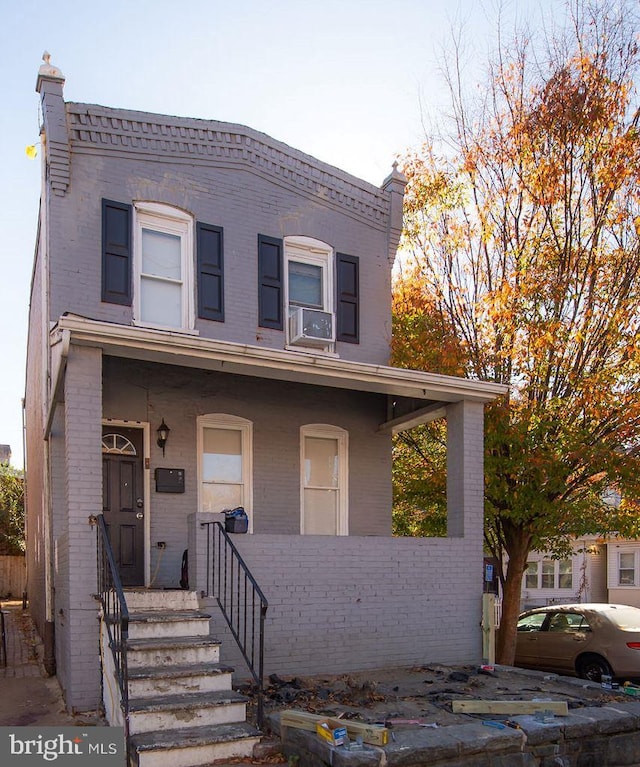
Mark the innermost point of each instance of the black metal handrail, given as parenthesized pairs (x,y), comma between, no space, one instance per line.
(241,601)
(115,615)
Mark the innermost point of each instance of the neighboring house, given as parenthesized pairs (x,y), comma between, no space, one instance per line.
(579,578)
(5,453)
(202,276)
(623,571)
(600,570)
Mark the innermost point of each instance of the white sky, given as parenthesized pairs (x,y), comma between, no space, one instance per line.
(344,80)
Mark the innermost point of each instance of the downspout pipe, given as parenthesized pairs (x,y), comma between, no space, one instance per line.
(59,370)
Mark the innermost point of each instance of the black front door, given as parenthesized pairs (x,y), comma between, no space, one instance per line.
(123,500)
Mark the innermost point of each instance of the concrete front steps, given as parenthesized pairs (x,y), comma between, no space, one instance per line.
(182,709)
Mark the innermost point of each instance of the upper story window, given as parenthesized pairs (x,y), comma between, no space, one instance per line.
(309,291)
(157,260)
(163,269)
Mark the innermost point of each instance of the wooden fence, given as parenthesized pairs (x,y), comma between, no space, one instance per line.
(13,577)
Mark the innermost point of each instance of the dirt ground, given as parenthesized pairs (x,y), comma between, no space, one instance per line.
(424,693)
(410,698)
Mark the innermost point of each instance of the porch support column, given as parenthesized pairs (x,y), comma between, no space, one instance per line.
(465,470)
(83,432)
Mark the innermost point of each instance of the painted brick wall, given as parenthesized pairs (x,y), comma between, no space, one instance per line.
(245,202)
(150,392)
(77,657)
(356,603)
(465,469)
(34,458)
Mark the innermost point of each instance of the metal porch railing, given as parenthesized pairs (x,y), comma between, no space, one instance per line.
(241,601)
(115,615)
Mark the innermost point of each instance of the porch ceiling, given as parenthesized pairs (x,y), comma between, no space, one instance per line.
(431,391)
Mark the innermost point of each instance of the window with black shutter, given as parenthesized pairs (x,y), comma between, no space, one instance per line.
(116,252)
(210,279)
(270,297)
(348,300)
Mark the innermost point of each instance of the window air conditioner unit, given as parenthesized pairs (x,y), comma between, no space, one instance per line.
(310,327)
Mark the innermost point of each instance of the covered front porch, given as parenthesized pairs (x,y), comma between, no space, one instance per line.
(360,598)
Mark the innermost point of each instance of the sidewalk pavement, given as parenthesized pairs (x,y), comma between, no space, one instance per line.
(28,697)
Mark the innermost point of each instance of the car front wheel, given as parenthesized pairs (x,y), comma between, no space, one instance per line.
(593,668)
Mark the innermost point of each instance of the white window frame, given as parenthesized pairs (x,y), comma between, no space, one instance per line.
(548,570)
(532,572)
(634,554)
(308,250)
(542,568)
(245,427)
(168,220)
(327,431)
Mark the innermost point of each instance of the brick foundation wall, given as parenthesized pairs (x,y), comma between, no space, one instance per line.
(347,604)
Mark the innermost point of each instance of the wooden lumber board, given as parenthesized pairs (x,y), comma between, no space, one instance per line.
(303,720)
(509,707)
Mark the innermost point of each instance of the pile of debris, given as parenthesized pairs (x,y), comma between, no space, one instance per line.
(423,693)
(390,708)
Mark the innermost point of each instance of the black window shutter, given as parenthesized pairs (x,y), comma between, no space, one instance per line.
(270,269)
(210,272)
(116,252)
(348,298)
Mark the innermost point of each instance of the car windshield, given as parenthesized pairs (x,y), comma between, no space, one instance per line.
(626,618)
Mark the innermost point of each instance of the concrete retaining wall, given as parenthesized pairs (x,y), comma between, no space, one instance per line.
(588,737)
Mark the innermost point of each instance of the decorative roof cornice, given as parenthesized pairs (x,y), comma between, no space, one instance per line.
(221,144)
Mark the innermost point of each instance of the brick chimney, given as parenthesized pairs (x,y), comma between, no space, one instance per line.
(55,136)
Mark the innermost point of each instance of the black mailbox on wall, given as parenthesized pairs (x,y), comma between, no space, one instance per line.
(169,480)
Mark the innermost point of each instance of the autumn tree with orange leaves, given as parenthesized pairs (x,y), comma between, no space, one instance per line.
(522,267)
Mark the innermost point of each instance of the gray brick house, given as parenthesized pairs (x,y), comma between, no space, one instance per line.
(203,276)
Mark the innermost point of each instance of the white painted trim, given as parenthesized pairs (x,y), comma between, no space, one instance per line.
(614,550)
(308,250)
(209,354)
(169,220)
(146,479)
(245,427)
(341,436)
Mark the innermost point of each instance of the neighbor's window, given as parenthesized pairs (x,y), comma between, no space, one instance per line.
(225,465)
(565,574)
(548,574)
(163,268)
(627,569)
(531,576)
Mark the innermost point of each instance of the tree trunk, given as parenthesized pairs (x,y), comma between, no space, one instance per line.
(507,633)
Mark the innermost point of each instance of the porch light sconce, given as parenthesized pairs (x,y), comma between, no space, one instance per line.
(163,433)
